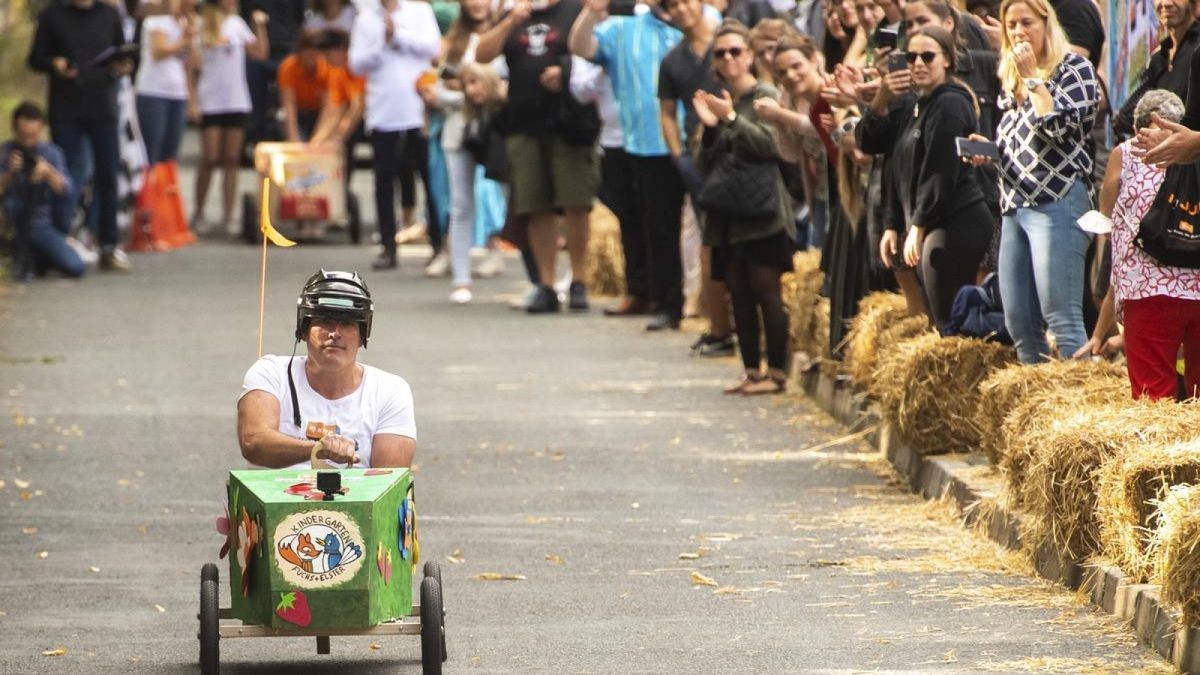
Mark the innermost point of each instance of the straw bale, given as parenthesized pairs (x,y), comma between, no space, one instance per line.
(1130,485)
(1176,555)
(1008,387)
(1027,422)
(876,312)
(605,274)
(892,336)
(801,296)
(1063,475)
(929,386)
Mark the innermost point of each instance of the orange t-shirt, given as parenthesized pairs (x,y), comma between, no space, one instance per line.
(308,87)
(345,86)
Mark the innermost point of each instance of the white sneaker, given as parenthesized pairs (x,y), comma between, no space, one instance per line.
(411,234)
(439,266)
(461,295)
(87,255)
(492,265)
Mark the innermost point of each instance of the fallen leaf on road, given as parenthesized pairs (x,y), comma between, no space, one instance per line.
(558,456)
(701,580)
(21,484)
(374,645)
(496,576)
(635,505)
(555,559)
(29,530)
(2,483)
(456,558)
(61,651)
(729,590)
(43,555)
(139,473)
(160,608)
(39,493)
(143,529)
(26,496)
(950,657)
(689,556)
(94,569)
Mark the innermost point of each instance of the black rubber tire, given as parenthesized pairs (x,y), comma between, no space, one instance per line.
(354,224)
(251,233)
(434,570)
(431,627)
(209,571)
(210,647)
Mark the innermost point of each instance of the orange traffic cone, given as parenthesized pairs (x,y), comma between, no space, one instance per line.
(170,207)
(147,235)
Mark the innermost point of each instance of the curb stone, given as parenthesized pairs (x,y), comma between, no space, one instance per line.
(936,475)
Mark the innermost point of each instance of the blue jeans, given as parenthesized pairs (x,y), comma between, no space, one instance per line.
(37,237)
(162,121)
(1042,252)
(76,137)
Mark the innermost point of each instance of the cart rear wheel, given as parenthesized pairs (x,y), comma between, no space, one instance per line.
(434,570)
(354,226)
(431,627)
(250,228)
(210,648)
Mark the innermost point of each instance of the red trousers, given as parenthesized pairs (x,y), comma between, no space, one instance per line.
(1155,328)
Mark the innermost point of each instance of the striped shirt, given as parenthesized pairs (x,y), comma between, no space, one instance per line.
(1042,156)
(631,48)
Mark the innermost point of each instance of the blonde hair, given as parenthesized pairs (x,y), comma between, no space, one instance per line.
(495,87)
(1053,51)
(212,17)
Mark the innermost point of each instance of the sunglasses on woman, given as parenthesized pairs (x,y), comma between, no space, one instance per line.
(926,57)
(734,52)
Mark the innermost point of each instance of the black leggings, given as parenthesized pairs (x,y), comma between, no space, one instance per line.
(951,257)
(754,288)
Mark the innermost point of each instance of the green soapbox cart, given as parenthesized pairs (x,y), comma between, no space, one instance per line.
(318,554)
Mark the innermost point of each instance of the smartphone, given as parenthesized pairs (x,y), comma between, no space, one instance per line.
(621,7)
(886,38)
(970,148)
(897,61)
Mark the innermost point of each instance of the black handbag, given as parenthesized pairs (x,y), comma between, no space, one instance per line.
(1170,230)
(741,188)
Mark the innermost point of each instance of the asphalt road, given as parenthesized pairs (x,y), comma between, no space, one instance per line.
(576,451)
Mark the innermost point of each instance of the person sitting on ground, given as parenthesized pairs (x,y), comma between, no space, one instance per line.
(326,405)
(1159,304)
(37,197)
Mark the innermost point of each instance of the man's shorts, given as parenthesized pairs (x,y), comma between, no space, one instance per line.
(547,174)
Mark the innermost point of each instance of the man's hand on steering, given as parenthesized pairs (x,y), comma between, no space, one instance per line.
(340,449)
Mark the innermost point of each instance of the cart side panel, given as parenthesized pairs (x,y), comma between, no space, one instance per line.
(391,592)
(247,517)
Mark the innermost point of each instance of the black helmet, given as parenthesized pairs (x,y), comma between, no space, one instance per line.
(335,295)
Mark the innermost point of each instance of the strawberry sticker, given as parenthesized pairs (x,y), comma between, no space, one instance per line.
(293,608)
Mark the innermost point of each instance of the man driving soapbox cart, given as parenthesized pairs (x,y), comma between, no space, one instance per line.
(316,550)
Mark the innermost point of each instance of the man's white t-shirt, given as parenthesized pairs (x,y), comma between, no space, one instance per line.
(222,87)
(382,404)
(166,77)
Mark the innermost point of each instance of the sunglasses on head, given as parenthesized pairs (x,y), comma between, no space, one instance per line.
(926,57)
(732,51)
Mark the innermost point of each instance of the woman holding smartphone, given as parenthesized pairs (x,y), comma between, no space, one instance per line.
(1050,97)
(949,225)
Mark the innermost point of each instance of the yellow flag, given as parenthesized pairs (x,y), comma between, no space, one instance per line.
(264,220)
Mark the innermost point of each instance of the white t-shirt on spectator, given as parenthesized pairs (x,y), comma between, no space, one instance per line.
(382,404)
(167,77)
(393,66)
(222,87)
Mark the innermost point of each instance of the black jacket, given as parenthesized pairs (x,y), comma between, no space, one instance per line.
(1160,75)
(79,35)
(938,184)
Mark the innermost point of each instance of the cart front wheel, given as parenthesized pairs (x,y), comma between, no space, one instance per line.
(434,570)
(431,627)
(251,233)
(355,219)
(210,648)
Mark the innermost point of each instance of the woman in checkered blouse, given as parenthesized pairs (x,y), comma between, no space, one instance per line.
(1049,103)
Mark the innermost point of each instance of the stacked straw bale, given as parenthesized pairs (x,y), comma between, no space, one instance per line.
(1130,486)
(1007,388)
(1063,474)
(929,386)
(605,274)
(802,297)
(1025,425)
(1176,555)
(876,312)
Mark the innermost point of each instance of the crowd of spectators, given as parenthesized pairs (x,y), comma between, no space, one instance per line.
(919,145)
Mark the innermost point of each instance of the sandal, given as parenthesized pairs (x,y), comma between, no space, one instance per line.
(747,381)
(766,385)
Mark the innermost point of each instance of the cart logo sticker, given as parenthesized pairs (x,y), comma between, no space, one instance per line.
(293,608)
(318,548)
